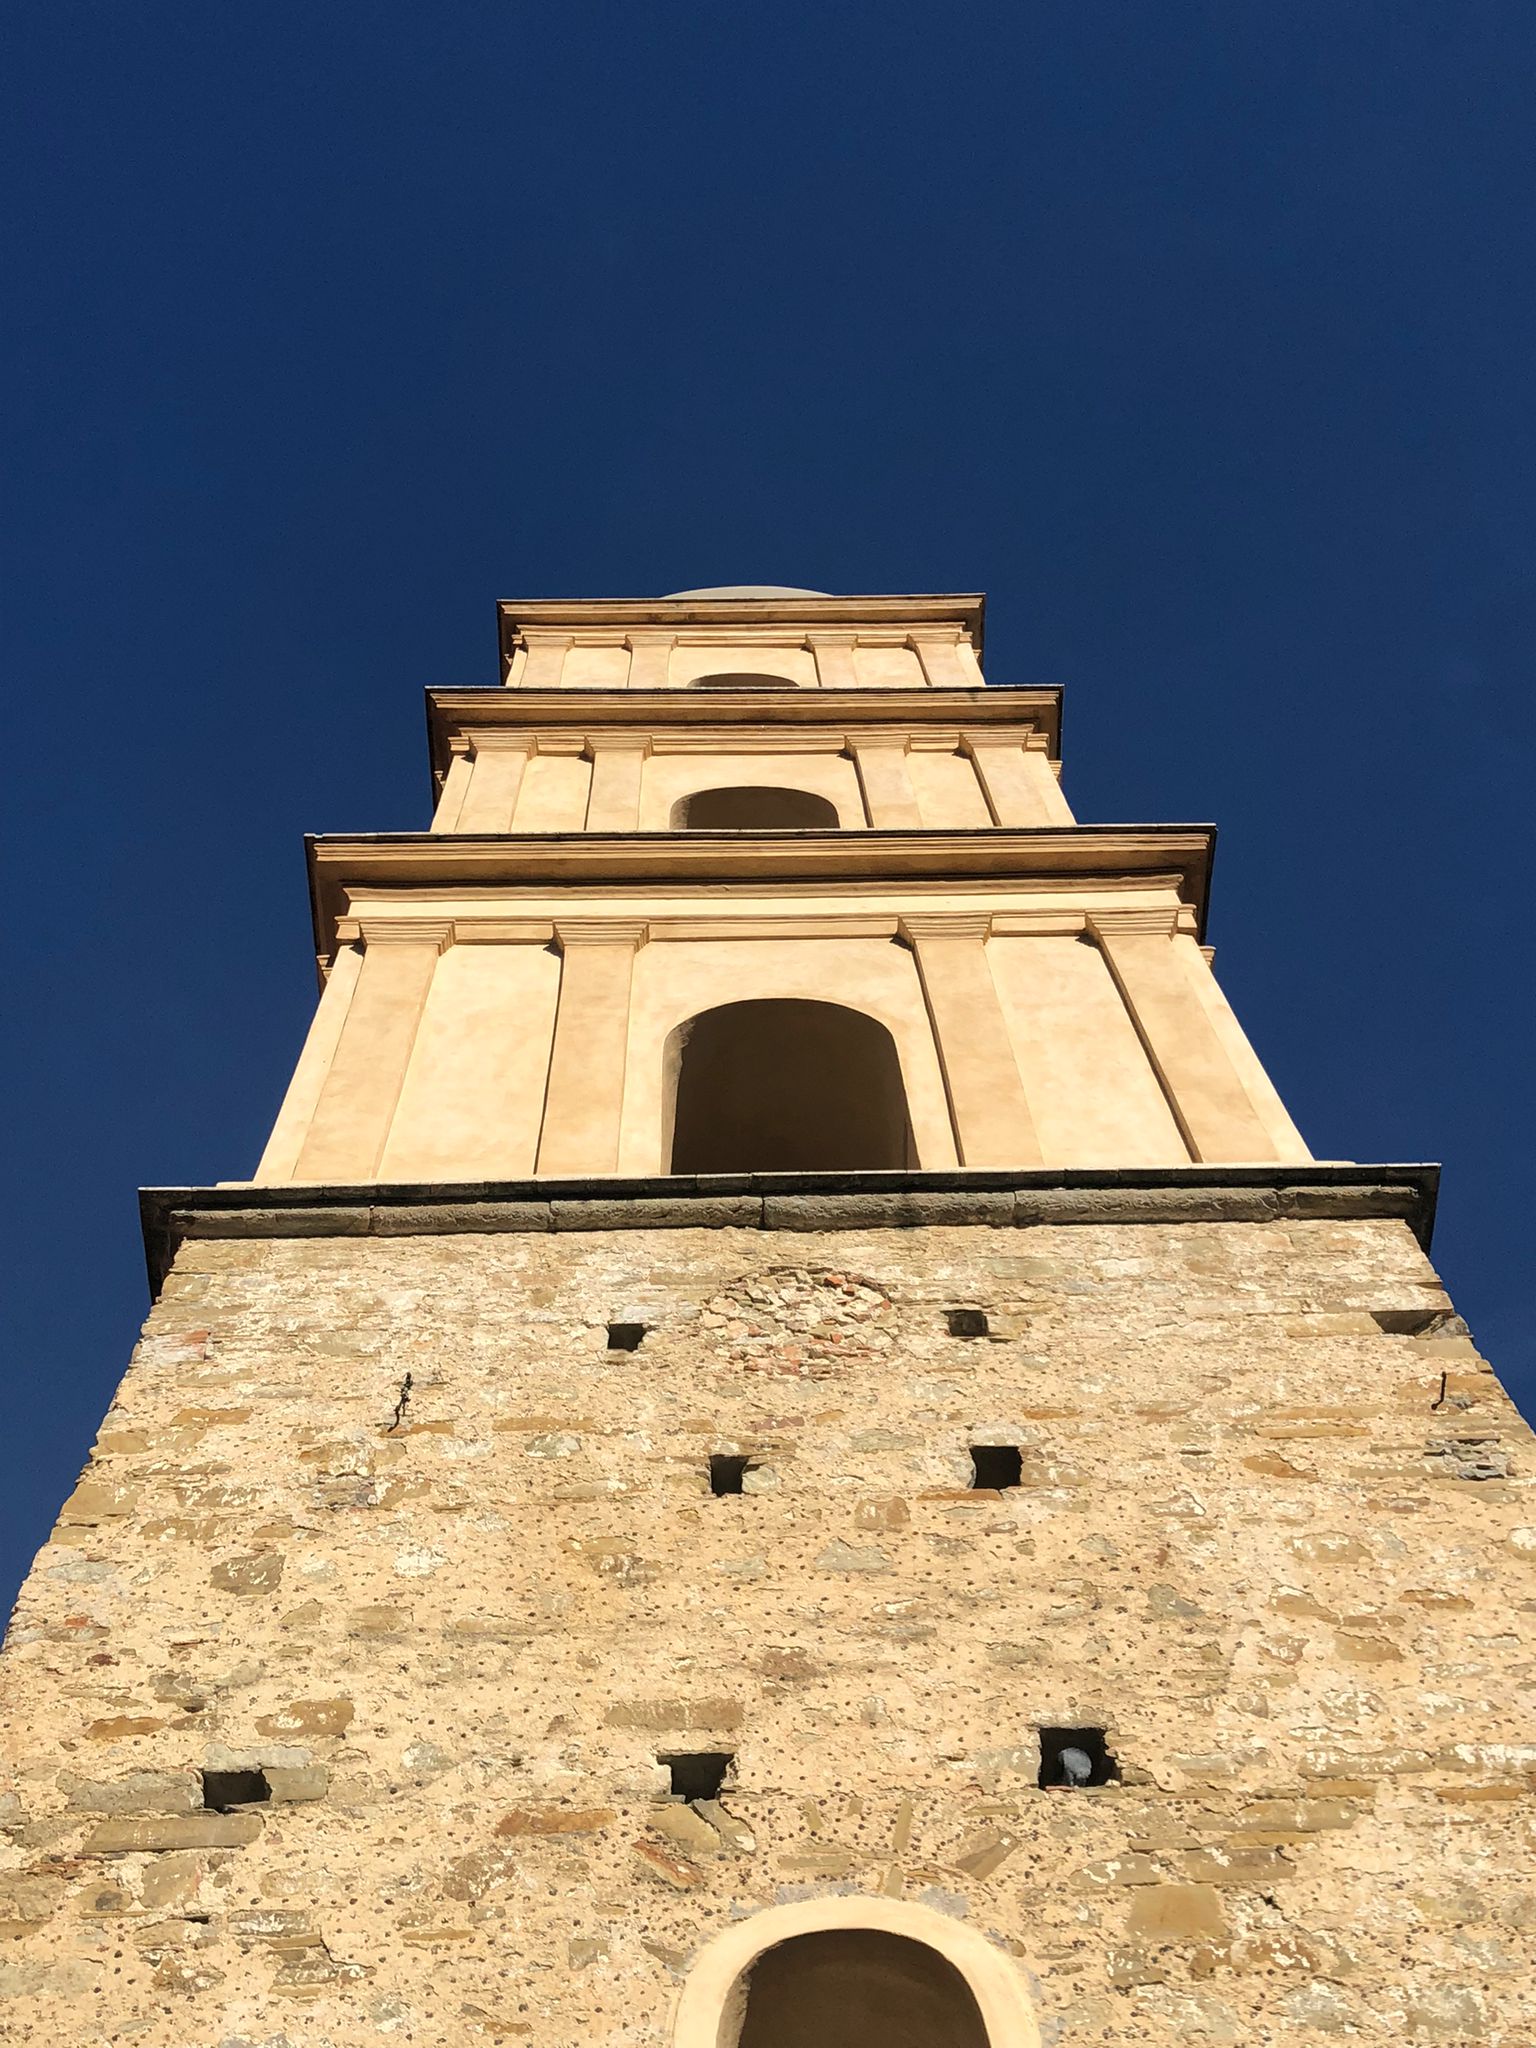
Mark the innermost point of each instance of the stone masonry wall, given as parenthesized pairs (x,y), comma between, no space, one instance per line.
(1256,1540)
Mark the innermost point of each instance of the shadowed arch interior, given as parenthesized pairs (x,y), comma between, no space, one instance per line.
(785,1085)
(760,809)
(855,1987)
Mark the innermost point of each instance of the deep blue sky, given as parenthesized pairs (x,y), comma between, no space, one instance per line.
(1199,336)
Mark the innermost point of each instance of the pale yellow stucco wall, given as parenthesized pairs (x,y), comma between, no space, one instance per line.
(553,797)
(471,1099)
(948,794)
(474,1090)
(1091,1091)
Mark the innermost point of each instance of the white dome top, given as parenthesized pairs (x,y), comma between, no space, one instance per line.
(749,590)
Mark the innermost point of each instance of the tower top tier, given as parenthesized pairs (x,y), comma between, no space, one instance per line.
(744,637)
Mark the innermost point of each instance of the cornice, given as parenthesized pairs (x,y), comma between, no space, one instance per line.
(683,720)
(413,926)
(430,865)
(965,611)
(994,1199)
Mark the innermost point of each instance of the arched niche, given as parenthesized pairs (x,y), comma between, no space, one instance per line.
(784,1085)
(760,808)
(857,1972)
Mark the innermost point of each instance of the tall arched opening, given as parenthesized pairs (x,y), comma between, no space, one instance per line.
(853,1972)
(855,1987)
(785,1085)
(762,808)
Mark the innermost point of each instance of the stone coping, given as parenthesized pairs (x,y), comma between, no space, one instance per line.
(789,1201)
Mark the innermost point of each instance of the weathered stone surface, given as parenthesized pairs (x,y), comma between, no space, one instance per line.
(424,1219)
(1231,1551)
(719,1212)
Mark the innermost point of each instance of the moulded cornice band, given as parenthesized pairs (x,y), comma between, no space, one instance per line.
(618,743)
(1139,858)
(944,924)
(406,931)
(880,736)
(1028,736)
(503,931)
(495,930)
(501,740)
(600,931)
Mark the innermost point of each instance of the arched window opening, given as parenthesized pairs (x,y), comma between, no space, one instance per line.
(787,1086)
(859,1987)
(753,810)
(743,679)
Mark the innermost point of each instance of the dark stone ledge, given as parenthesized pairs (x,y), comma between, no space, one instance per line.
(791,1201)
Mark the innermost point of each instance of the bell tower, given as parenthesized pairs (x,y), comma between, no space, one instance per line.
(773,871)
(786,1445)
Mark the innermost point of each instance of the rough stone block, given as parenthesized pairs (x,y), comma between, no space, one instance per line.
(674,1714)
(1176,1913)
(717,1212)
(297,1784)
(174,1831)
(284,1222)
(303,1719)
(556,1820)
(138,1792)
(450,1219)
(248,1576)
(98,1500)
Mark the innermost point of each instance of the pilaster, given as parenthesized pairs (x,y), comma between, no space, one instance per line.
(834,660)
(499,763)
(1016,778)
(455,787)
(889,798)
(585,1096)
(1204,1091)
(939,654)
(618,761)
(279,1161)
(545,663)
(650,659)
(357,1099)
(987,1103)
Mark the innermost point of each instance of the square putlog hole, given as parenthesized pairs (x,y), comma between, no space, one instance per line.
(223,1791)
(698,1773)
(1074,1757)
(966,1322)
(995,1467)
(625,1336)
(727,1473)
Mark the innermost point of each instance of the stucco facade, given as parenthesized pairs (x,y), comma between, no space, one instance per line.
(1044,1565)
(499,993)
